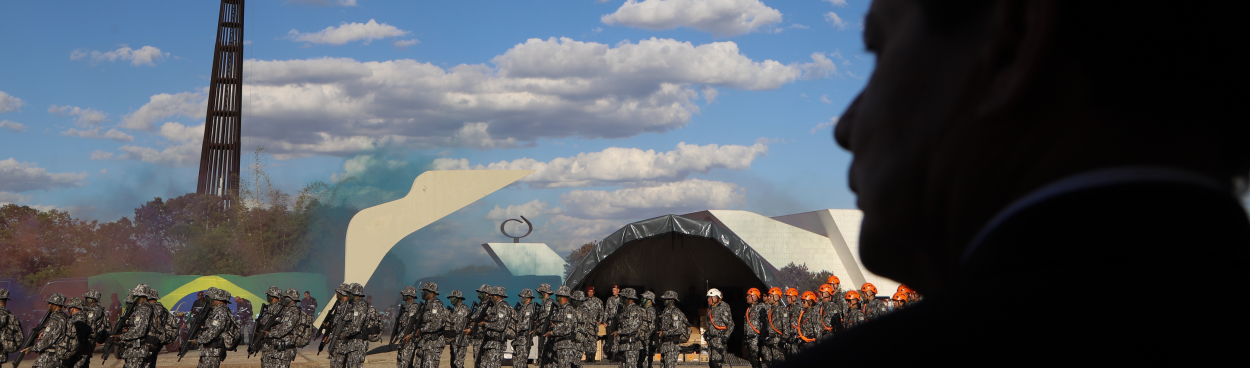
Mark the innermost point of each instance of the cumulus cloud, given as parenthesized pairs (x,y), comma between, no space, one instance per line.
(633,203)
(24,176)
(94,132)
(820,67)
(164,105)
(530,210)
(324,2)
(403,44)
(825,99)
(718,17)
(146,55)
(10,197)
(553,88)
(85,117)
(828,124)
(348,32)
(616,165)
(12,126)
(9,103)
(835,21)
(182,149)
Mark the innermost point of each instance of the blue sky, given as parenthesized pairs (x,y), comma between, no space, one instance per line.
(100,104)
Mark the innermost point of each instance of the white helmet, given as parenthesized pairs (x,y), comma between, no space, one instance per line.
(714,292)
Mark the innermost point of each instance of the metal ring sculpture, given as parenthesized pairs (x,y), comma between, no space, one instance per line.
(517,239)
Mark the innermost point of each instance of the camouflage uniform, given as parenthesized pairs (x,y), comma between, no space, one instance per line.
(611,308)
(477,316)
(874,309)
(352,344)
(792,333)
(564,332)
(594,308)
(430,326)
(496,318)
(526,314)
(628,321)
(853,318)
(140,323)
(279,350)
(212,346)
(79,335)
(646,331)
(457,321)
(97,318)
(546,346)
(720,326)
(672,324)
(830,318)
(808,328)
(772,346)
(53,345)
(11,331)
(752,336)
(412,309)
(587,328)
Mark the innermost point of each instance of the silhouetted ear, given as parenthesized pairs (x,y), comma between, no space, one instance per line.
(1024,36)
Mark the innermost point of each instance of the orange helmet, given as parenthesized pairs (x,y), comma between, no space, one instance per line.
(792,292)
(902,288)
(775,291)
(900,296)
(833,280)
(826,288)
(868,286)
(807,295)
(852,295)
(754,291)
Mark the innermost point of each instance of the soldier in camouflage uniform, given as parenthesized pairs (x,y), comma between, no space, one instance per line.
(79,334)
(830,312)
(279,341)
(493,324)
(353,339)
(720,326)
(546,347)
(484,300)
(772,343)
(854,315)
(611,308)
(586,326)
(646,331)
(793,307)
(429,328)
(212,345)
(137,329)
(97,318)
(526,316)
(628,321)
(872,307)
(11,333)
(754,320)
(53,341)
(809,322)
(458,321)
(671,325)
(594,307)
(407,315)
(563,331)
(838,296)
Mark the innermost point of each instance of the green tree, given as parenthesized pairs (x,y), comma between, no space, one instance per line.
(576,256)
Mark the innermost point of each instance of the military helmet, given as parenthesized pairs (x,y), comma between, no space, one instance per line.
(484,289)
(274,291)
(579,296)
(4,294)
(629,293)
(74,303)
(526,293)
(140,290)
(648,295)
(808,295)
(342,289)
(754,291)
(93,294)
(544,288)
(852,295)
(563,291)
(499,291)
(409,291)
(292,294)
(221,295)
(152,294)
(430,287)
(56,299)
(868,286)
(673,294)
(356,289)
(456,294)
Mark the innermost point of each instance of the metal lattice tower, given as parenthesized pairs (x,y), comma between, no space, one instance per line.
(219,158)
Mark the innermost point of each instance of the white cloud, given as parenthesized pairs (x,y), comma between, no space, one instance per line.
(348,32)
(820,67)
(836,2)
(572,232)
(835,21)
(86,117)
(530,210)
(164,105)
(24,176)
(94,132)
(324,2)
(146,55)
(634,203)
(799,26)
(710,94)
(10,197)
(718,17)
(832,121)
(12,126)
(825,99)
(402,44)
(9,103)
(176,132)
(616,165)
(183,148)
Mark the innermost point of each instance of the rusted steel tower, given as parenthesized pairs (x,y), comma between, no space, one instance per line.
(219,158)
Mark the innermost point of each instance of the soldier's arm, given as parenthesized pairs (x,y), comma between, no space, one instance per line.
(53,330)
(212,327)
(142,317)
(498,318)
(433,319)
(285,325)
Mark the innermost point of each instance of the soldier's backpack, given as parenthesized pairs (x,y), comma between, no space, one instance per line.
(509,330)
(685,332)
(232,335)
(304,330)
(10,333)
(373,325)
(163,325)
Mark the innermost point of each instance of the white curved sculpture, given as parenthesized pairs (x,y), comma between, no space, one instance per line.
(435,194)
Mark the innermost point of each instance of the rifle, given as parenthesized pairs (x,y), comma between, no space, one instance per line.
(334,335)
(197,323)
(395,329)
(254,346)
(460,334)
(412,323)
(117,329)
(30,339)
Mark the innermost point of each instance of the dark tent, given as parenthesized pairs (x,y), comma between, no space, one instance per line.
(679,254)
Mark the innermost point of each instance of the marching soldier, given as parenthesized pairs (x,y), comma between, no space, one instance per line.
(212,336)
(628,321)
(563,330)
(494,323)
(484,299)
(672,325)
(97,318)
(526,314)
(594,308)
(838,296)
(873,308)
(546,352)
(809,322)
(830,312)
(429,331)
(611,308)
(773,345)
(11,333)
(854,315)
(754,320)
(80,339)
(586,326)
(52,340)
(137,329)
(408,315)
(342,297)
(647,329)
(793,307)
(353,339)
(279,341)
(720,326)
(458,322)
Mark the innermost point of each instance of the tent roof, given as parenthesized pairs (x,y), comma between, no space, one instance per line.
(673,225)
